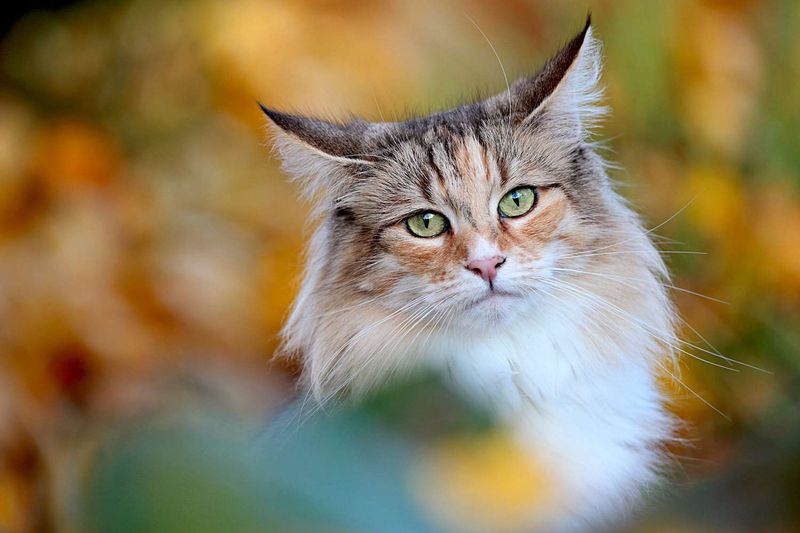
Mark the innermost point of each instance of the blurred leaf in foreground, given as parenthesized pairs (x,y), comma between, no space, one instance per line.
(348,469)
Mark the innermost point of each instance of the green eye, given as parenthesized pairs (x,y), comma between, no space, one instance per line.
(517,202)
(427,224)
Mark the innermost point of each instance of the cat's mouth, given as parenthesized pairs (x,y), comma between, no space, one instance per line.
(492,297)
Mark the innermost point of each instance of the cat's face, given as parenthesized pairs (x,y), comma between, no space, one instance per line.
(473,221)
(487,214)
(468,209)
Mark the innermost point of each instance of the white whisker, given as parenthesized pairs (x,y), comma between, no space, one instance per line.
(627,279)
(625,316)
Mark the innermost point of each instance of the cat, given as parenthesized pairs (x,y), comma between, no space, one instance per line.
(487,241)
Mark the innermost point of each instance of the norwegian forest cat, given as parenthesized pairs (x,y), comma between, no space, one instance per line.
(488,242)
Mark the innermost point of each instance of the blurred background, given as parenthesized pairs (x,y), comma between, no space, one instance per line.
(149,248)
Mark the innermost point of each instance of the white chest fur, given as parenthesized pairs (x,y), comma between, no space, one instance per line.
(590,411)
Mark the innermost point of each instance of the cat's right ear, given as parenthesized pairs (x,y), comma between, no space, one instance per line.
(566,89)
(317,152)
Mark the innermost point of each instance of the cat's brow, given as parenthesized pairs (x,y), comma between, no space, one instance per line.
(502,168)
(485,159)
(466,212)
(436,170)
(423,181)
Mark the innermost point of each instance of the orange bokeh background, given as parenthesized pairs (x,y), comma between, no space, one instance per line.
(150,246)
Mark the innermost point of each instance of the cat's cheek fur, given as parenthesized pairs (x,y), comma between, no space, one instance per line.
(529,233)
(430,260)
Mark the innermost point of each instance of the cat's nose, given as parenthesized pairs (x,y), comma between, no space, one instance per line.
(486,268)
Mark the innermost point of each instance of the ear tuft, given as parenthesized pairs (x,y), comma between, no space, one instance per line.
(338,141)
(321,155)
(567,87)
(555,70)
(580,94)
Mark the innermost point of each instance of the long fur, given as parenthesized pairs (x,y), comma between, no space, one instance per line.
(567,350)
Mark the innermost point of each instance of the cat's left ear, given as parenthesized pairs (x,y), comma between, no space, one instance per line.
(565,93)
(320,154)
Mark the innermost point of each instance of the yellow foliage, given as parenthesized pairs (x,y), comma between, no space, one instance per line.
(143,224)
(11,509)
(777,226)
(483,482)
(71,153)
(722,75)
(718,203)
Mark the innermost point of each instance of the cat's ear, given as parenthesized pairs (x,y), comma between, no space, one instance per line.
(317,152)
(566,90)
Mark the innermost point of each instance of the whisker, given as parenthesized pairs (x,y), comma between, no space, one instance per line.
(651,230)
(699,348)
(391,337)
(645,327)
(664,368)
(695,394)
(368,301)
(502,69)
(717,352)
(626,279)
(632,252)
(687,343)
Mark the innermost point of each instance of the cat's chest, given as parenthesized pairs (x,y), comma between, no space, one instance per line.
(539,370)
(517,367)
(597,427)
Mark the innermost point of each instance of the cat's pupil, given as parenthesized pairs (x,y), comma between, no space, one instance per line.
(426,220)
(515,197)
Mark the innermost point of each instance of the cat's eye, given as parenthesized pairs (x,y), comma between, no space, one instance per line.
(427,224)
(517,202)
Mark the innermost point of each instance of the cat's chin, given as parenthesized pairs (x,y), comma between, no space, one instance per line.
(491,308)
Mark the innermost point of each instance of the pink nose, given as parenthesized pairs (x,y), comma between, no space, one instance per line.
(486,268)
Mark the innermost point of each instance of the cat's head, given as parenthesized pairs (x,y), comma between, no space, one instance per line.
(462,219)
